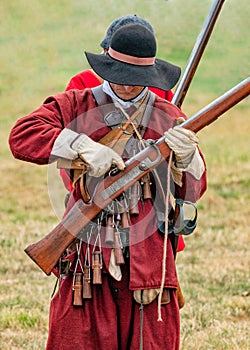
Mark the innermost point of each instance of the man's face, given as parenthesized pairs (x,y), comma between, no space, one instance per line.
(126,92)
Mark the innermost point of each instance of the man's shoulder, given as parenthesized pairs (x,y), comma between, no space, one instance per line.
(73,94)
(72,99)
(163,103)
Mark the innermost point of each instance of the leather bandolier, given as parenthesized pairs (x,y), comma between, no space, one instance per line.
(117,220)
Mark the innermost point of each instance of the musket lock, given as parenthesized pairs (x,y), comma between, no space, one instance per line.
(147,163)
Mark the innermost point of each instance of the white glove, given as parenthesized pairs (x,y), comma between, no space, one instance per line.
(71,145)
(184,144)
(99,157)
(62,145)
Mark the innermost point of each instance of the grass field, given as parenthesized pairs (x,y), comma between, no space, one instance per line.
(42,45)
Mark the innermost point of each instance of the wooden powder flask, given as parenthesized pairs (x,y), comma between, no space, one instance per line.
(77,289)
(134,199)
(86,293)
(146,182)
(110,230)
(97,267)
(119,259)
(123,209)
(125,221)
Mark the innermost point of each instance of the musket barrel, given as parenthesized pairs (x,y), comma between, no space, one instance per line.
(46,252)
(218,106)
(196,53)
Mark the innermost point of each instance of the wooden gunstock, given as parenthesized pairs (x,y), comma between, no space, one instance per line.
(46,252)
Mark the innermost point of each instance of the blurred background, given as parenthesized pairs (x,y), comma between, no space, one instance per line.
(42,47)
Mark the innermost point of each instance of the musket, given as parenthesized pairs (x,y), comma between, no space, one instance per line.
(47,251)
(196,53)
(187,77)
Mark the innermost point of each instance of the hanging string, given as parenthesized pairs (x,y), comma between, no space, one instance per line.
(143,145)
(164,258)
(78,261)
(98,237)
(165,244)
(87,260)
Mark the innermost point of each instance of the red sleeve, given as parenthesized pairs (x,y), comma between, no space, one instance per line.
(81,81)
(32,137)
(192,189)
(85,79)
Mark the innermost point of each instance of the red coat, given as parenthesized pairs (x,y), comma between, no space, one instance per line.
(111,319)
(87,79)
(32,139)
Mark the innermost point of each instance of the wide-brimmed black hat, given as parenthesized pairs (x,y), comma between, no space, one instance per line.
(131,60)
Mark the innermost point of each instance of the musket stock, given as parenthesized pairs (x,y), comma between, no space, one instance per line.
(46,252)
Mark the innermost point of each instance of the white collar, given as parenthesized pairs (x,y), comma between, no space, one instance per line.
(125,104)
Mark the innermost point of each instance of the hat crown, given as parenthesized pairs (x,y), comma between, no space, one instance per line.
(122,21)
(134,40)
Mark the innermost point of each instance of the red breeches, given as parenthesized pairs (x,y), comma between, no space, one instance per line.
(111,320)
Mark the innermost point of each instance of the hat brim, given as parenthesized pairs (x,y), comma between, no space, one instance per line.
(161,74)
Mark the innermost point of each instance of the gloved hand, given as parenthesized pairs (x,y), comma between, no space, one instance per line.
(99,157)
(71,145)
(183,142)
(187,157)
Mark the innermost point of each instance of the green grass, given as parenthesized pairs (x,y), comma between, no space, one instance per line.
(42,45)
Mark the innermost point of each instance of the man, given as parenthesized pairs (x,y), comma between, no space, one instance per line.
(89,79)
(121,307)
